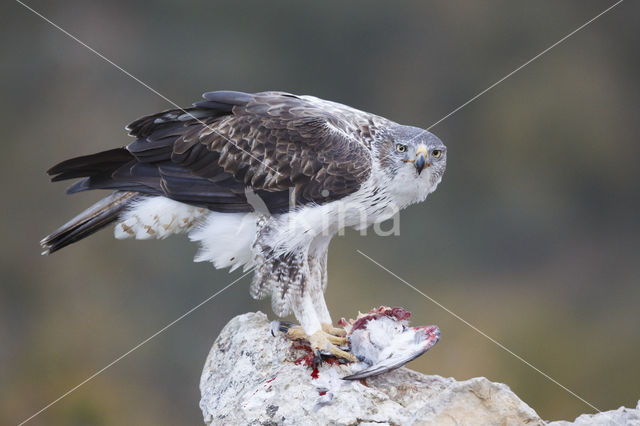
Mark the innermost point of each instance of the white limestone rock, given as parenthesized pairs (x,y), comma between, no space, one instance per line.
(622,416)
(251,377)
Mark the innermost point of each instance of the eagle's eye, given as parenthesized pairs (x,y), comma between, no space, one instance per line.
(436,153)
(401,148)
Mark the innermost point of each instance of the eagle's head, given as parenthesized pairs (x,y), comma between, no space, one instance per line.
(413,160)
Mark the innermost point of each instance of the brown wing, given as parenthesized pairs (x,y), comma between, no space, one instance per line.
(271,142)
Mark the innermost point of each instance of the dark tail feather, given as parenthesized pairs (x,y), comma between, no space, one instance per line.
(89,221)
(93,168)
(90,165)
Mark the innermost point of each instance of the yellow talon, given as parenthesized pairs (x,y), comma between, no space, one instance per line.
(296,333)
(336,331)
(326,342)
(323,341)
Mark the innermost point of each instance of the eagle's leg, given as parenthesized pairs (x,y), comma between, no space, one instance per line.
(325,318)
(312,312)
(322,311)
(294,279)
(311,330)
(318,270)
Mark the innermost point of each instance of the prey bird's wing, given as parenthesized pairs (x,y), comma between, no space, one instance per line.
(290,150)
(401,349)
(388,364)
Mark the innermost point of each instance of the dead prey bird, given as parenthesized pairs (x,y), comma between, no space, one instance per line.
(381,339)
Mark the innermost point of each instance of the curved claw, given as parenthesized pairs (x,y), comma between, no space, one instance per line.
(282,326)
(317,358)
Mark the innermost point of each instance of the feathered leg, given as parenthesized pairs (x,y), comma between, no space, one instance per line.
(302,301)
(318,268)
(313,309)
(295,285)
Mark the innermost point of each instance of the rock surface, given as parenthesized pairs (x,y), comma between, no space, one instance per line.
(621,416)
(251,377)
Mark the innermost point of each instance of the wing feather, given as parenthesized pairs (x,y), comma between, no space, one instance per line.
(269,141)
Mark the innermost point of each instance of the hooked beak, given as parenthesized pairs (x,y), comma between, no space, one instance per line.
(421,159)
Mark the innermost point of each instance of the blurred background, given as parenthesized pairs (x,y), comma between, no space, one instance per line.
(533,236)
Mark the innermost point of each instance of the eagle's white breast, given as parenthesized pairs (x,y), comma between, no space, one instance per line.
(226,239)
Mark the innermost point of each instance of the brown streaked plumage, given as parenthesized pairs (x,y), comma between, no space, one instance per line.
(271,142)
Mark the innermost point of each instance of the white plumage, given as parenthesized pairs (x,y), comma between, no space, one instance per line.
(157,217)
(225,239)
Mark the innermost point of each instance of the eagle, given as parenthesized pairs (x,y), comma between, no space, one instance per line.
(262,181)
